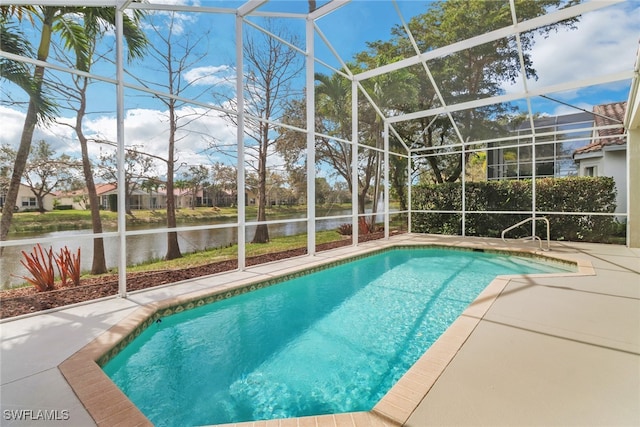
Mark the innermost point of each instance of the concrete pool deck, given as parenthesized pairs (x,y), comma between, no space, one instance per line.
(534,350)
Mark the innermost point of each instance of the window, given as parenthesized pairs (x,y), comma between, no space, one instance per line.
(591,171)
(29,202)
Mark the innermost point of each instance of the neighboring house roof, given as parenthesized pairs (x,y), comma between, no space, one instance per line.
(607,115)
(73,193)
(103,189)
(182,192)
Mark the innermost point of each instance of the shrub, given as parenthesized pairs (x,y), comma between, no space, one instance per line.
(345,229)
(68,267)
(40,265)
(573,194)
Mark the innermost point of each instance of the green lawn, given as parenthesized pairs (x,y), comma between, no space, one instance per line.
(277,244)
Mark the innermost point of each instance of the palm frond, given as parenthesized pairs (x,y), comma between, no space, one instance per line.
(12,40)
(74,39)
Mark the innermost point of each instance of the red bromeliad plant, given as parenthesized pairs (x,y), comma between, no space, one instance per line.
(69,267)
(40,265)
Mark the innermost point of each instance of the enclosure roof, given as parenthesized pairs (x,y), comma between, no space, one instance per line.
(528,92)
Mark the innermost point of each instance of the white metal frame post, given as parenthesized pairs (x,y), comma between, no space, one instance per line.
(386,179)
(240,188)
(463,187)
(122,219)
(409,187)
(311,131)
(533,184)
(355,220)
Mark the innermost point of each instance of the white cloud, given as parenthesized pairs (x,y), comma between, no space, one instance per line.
(178,22)
(12,121)
(605,42)
(60,137)
(145,128)
(199,128)
(212,75)
(565,109)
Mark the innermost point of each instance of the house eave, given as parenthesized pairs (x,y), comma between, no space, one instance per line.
(589,155)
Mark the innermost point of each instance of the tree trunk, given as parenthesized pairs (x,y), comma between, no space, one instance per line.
(127,203)
(433,161)
(40,203)
(173,248)
(262,231)
(18,169)
(398,179)
(377,187)
(99,263)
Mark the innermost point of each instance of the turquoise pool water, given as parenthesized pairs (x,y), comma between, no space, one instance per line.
(328,342)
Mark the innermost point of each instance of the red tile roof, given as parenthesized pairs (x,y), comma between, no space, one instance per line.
(607,115)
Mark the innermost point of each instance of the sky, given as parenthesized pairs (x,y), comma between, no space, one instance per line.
(606,41)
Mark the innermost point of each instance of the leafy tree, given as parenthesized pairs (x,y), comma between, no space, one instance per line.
(45,172)
(474,73)
(151,185)
(224,184)
(195,179)
(389,92)
(7,154)
(13,40)
(138,167)
(323,191)
(333,101)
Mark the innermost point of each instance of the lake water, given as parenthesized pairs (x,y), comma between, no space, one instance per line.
(144,247)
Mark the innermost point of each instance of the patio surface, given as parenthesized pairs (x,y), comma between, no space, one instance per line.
(554,351)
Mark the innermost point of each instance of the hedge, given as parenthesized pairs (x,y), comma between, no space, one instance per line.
(572,194)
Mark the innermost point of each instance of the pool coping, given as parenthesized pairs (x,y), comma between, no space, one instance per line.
(108,405)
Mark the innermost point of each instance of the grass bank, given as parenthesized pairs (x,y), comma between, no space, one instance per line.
(34,222)
(277,244)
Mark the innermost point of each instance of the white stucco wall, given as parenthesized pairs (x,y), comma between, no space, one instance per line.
(25,193)
(615,166)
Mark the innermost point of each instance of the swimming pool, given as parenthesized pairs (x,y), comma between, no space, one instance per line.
(286,350)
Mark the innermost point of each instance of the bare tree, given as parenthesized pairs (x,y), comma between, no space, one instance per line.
(174,53)
(79,94)
(271,69)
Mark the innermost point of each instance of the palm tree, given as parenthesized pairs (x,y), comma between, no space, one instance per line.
(72,33)
(76,37)
(13,40)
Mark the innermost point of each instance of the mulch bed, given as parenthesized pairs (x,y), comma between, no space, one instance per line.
(16,302)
